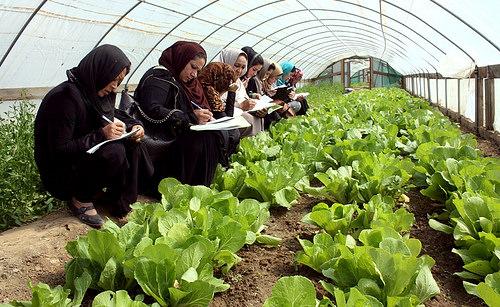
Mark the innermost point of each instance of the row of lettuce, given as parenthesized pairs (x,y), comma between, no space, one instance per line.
(166,254)
(359,153)
(366,151)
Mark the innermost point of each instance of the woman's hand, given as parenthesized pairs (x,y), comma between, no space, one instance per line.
(261,113)
(203,115)
(139,134)
(233,87)
(245,81)
(271,93)
(113,130)
(255,96)
(248,104)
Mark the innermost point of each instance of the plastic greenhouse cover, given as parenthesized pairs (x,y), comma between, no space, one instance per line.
(412,36)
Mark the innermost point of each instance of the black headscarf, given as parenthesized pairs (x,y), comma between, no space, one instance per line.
(95,71)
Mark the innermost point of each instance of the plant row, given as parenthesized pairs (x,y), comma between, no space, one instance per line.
(166,254)
(22,198)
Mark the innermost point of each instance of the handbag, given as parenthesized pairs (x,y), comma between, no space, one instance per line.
(156,145)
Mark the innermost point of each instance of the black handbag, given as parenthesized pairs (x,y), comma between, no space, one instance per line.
(156,145)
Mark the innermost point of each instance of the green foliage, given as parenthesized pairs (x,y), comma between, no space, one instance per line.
(293,291)
(21,195)
(384,269)
(169,250)
(44,295)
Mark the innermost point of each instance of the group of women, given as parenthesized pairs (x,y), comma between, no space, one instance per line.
(179,92)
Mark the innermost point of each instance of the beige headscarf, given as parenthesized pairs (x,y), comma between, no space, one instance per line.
(261,76)
(230,55)
(277,71)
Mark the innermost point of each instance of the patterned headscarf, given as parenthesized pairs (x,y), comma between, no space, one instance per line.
(215,79)
(295,76)
(175,58)
(266,86)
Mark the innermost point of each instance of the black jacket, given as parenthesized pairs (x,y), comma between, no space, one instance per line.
(164,107)
(65,128)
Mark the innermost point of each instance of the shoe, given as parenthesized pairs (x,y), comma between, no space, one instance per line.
(79,209)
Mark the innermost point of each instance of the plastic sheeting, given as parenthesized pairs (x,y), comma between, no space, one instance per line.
(412,36)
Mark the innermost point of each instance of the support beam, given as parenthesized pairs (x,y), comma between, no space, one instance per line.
(342,72)
(370,81)
(489,103)
(479,102)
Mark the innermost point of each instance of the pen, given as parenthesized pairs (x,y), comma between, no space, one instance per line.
(197,106)
(107,119)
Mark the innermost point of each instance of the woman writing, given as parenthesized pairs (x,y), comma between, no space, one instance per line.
(217,79)
(238,60)
(170,99)
(73,117)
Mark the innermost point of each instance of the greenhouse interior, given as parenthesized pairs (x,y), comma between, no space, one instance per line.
(250,153)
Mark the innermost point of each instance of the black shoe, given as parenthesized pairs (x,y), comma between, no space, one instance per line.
(80,211)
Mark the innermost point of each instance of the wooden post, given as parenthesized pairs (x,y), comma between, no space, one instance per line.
(458,99)
(348,73)
(342,72)
(370,76)
(332,72)
(446,95)
(489,103)
(422,92)
(429,88)
(437,89)
(479,101)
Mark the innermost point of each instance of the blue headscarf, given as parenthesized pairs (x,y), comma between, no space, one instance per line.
(287,67)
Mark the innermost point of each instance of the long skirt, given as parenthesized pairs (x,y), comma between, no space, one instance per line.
(110,176)
(192,159)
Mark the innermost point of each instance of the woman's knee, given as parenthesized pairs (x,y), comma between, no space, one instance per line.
(113,155)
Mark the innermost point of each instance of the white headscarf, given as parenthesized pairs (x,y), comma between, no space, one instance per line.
(230,55)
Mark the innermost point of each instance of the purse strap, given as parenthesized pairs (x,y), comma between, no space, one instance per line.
(145,116)
(152,120)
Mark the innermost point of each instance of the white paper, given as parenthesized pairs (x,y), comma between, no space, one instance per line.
(219,120)
(297,95)
(124,136)
(263,103)
(234,123)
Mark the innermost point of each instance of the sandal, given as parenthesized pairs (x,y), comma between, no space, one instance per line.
(92,220)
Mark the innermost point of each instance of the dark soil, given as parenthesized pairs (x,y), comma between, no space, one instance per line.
(489,148)
(253,278)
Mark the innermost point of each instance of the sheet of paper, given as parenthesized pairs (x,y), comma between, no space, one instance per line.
(124,136)
(219,120)
(300,94)
(234,123)
(263,103)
